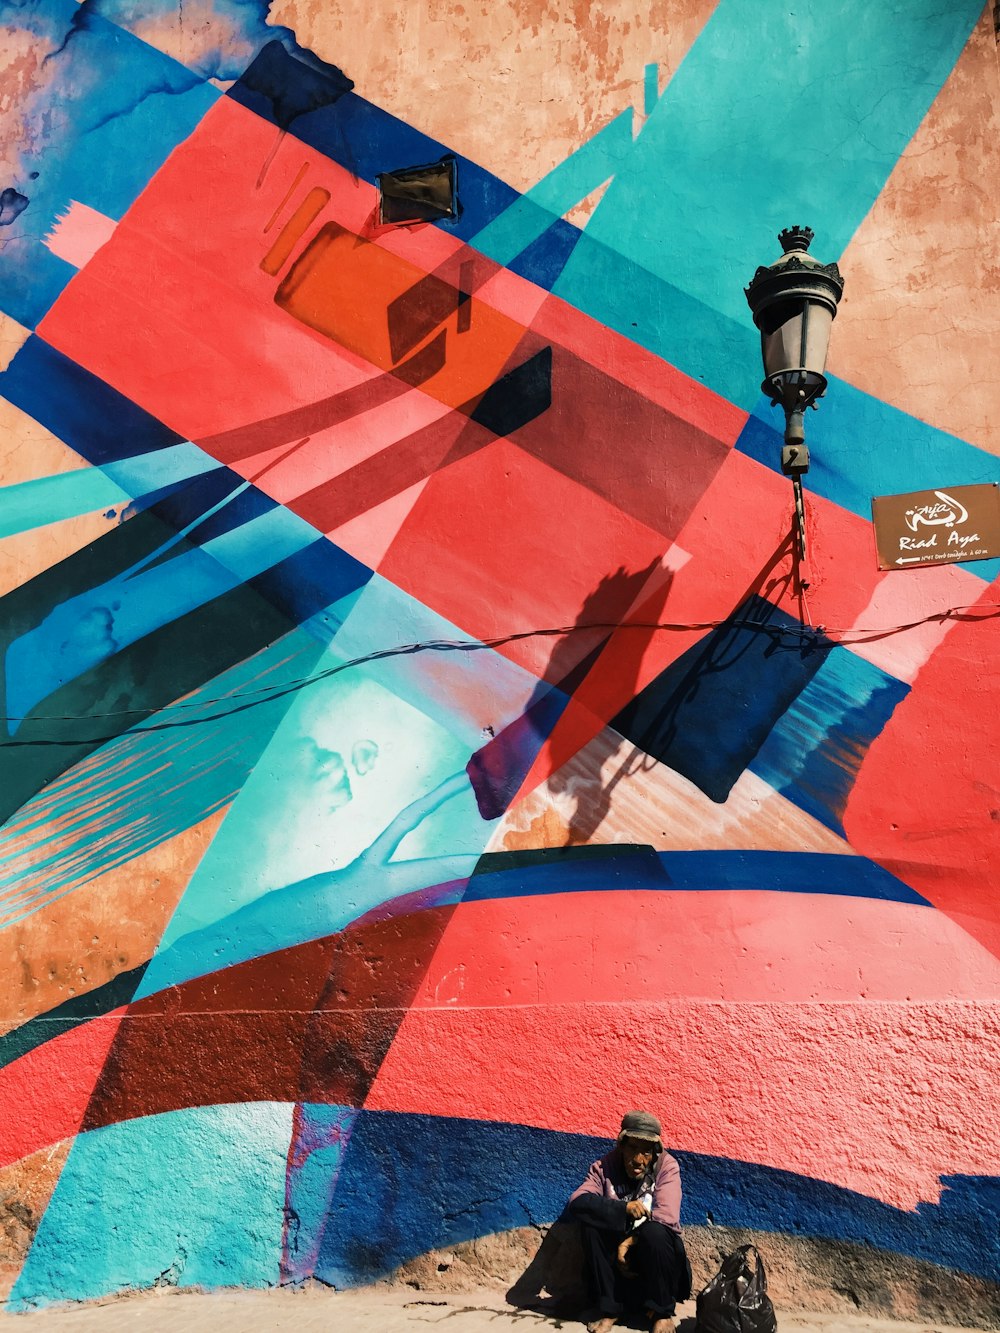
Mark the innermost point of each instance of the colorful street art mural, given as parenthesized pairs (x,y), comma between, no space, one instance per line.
(421,740)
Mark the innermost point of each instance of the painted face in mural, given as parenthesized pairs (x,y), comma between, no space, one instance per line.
(637,1154)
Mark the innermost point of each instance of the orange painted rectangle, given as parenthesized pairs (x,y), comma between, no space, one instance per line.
(293,230)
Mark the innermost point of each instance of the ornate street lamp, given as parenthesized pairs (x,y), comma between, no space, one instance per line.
(794,301)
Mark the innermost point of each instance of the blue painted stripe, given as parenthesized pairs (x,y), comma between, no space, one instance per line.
(468,1178)
(641,869)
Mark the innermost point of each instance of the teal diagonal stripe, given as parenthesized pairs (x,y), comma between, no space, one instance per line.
(780,114)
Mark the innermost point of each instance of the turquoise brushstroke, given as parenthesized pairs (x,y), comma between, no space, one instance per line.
(33,504)
(205,1210)
(775,117)
(152,471)
(651,89)
(145,787)
(537,209)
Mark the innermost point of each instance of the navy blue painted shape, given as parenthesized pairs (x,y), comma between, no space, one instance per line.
(570,870)
(544,260)
(708,713)
(440,1181)
(787,872)
(281,88)
(367,141)
(95,420)
(305,583)
(621,867)
(12,205)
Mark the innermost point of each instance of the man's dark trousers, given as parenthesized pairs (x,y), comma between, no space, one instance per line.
(657,1258)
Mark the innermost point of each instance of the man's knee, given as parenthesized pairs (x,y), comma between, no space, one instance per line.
(662,1251)
(654,1238)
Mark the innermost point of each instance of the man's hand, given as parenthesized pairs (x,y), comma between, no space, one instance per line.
(623,1250)
(635,1209)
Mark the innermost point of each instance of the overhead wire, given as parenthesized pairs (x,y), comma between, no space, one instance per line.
(816,638)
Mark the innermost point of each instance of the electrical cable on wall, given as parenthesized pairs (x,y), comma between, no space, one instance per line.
(818,638)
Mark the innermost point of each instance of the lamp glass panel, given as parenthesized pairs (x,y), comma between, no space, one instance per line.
(795,336)
(816,336)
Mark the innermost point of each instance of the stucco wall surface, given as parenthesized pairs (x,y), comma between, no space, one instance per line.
(422,740)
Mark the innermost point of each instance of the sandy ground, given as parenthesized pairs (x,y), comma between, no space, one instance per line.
(368,1310)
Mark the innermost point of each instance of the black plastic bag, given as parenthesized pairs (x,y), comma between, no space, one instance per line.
(736,1299)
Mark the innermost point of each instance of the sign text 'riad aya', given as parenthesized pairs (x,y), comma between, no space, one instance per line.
(937,527)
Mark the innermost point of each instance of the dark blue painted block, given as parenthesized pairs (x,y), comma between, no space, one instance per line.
(413,1183)
(95,420)
(708,714)
(786,872)
(311,580)
(567,870)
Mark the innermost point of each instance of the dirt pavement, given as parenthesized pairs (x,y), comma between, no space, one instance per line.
(367,1310)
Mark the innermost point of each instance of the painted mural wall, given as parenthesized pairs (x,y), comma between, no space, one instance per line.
(420,739)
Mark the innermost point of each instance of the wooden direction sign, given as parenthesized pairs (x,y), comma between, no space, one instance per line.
(937,527)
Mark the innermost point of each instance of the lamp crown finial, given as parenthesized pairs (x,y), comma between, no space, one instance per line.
(796,238)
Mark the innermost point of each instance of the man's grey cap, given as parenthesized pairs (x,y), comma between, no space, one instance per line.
(641,1125)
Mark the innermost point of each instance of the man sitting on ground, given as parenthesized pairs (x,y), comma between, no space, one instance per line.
(629,1207)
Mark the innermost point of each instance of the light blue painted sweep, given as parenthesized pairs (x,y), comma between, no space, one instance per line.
(204,1208)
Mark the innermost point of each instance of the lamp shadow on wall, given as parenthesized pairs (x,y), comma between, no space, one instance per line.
(586,783)
(705,714)
(621,599)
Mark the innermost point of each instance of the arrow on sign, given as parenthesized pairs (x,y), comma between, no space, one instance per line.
(910,559)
